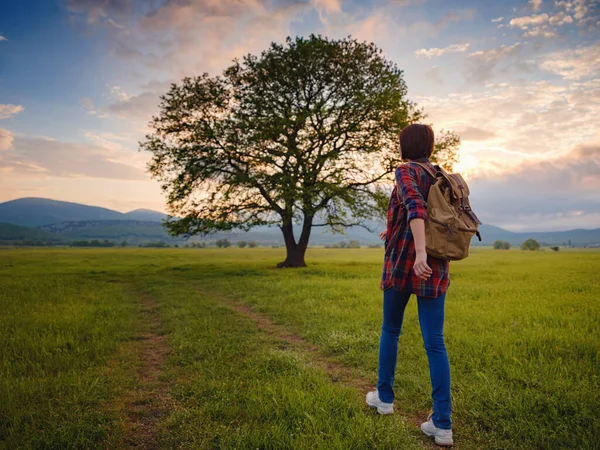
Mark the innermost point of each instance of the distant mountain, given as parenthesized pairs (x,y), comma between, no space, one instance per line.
(35,212)
(571,237)
(146,215)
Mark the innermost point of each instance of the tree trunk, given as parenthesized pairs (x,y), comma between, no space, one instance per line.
(295,252)
(294,258)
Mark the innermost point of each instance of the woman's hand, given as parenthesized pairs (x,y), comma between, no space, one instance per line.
(421,268)
(383,235)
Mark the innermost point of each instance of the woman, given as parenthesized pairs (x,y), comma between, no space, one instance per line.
(407,269)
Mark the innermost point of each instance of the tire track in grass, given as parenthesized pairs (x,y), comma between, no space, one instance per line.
(312,356)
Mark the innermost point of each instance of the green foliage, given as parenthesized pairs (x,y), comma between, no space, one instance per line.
(555,248)
(501,245)
(530,244)
(252,244)
(343,244)
(306,131)
(242,244)
(223,243)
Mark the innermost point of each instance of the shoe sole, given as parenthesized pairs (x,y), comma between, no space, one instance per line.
(441,444)
(379,410)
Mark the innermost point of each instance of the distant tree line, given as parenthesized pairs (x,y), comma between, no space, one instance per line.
(34,243)
(343,244)
(251,244)
(157,244)
(196,245)
(93,243)
(225,243)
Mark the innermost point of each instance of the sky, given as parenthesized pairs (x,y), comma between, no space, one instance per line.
(518,80)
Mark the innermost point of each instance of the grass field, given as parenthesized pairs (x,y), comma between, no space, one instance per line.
(215,348)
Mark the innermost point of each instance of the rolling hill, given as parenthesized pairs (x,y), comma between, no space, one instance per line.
(36,212)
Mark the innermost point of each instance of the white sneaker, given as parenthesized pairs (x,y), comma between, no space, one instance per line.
(382,408)
(442,437)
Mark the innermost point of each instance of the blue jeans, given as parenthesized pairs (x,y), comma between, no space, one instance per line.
(431,318)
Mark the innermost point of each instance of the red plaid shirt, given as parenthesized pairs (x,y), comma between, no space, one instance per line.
(414,183)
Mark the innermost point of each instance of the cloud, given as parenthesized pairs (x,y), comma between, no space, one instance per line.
(430,53)
(434,74)
(542,25)
(39,156)
(331,6)
(89,105)
(6,139)
(137,108)
(528,21)
(535,4)
(117,92)
(95,10)
(475,134)
(484,65)
(182,38)
(560,19)
(496,54)
(554,193)
(2,38)
(574,64)
(532,122)
(8,111)
(499,19)
(539,32)
(579,8)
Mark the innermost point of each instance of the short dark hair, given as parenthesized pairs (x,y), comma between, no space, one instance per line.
(416,141)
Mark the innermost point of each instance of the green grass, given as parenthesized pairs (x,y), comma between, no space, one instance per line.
(521,330)
(58,331)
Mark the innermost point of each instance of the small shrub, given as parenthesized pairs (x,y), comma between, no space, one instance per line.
(530,244)
(501,245)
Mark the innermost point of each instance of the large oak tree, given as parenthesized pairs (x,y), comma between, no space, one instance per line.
(305,133)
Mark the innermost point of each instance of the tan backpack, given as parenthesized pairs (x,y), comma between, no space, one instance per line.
(451,223)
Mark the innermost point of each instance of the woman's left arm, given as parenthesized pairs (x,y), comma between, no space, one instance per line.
(417,214)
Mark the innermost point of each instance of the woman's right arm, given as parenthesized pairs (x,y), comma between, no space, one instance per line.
(421,268)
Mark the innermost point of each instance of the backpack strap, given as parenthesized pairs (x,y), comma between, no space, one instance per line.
(427,168)
(455,190)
